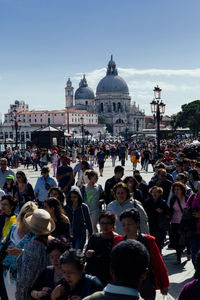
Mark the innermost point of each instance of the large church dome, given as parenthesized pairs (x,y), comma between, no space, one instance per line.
(112,83)
(84,92)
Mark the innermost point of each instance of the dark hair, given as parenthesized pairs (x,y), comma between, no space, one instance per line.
(129,260)
(109,215)
(91,174)
(138,177)
(23,176)
(60,244)
(197,266)
(58,210)
(195,174)
(198,164)
(61,196)
(11,200)
(135,182)
(75,257)
(122,185)
(183,177)
(155,187)
(118,169)
(131,213)
(180,185)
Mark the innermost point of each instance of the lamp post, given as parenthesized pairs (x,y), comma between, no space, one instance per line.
(158,110)
(82,132)
(137,129)
(99,132)
(15,125)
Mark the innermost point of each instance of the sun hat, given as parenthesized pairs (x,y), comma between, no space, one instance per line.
(40,222)
(10,176)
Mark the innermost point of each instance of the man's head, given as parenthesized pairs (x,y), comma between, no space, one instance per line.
(162,174)
(45,171)
(119,172)
(3,164)
(129,263)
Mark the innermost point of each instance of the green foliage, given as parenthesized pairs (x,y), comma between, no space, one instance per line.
(189,116)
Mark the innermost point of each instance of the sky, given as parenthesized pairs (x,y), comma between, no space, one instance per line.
(43,42)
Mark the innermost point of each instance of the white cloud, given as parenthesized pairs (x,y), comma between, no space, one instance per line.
(126,72)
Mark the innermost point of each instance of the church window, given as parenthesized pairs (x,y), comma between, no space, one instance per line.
(101,108)
(68,93)
(114,106)
(86,102)
(118,106)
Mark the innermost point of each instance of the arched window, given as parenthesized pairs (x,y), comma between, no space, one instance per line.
(118,106)
(101,107)
(114,106)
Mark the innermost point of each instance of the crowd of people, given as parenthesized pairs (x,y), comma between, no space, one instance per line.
(68,236)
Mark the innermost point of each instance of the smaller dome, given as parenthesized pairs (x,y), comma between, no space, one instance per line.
(84,92)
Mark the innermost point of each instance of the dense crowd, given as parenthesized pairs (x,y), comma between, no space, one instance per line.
(68,236)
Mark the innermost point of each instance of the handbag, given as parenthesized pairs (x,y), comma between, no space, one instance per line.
(4,247)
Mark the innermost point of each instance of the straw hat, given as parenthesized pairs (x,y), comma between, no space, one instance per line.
(40,222)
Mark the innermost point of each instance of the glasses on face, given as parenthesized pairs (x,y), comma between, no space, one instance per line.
(18,176)
(163,175)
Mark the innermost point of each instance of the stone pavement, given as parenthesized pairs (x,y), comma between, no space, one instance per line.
(178,274)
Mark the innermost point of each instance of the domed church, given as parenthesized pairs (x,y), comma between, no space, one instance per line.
(112,102)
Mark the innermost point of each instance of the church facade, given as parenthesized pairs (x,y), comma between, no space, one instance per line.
(112,102)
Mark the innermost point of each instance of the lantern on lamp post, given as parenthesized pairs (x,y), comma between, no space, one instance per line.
(158,110)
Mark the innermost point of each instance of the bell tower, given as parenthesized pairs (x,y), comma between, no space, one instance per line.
(69,94)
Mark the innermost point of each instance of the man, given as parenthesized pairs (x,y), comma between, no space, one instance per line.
(146,158)
(4,171)
(129,264)
(65,175)
(43,184)
(78,167)
(110,183)
(122,153)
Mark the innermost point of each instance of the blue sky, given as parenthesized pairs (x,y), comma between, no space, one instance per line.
(42,42)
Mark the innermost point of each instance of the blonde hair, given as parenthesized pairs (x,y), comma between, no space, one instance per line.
(28,207)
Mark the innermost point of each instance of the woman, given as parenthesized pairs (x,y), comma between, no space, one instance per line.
(92,193)
(123,201)
(79,217)
(51,275)
(158,214)
(7,217)
(10,186)
(193,180)
(55,192)
(24,190)
(157,278)
(191,290)
(99,248)
(177,205)
(18,237)
(75,283)
(34,258)
(54,208)
(132,185)
(54,160)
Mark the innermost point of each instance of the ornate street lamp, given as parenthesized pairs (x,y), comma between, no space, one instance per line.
(82,132)
(15,125)
(158,110)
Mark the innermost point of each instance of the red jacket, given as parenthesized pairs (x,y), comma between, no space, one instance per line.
(158,266)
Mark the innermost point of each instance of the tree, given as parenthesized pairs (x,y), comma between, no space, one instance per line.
(189,116)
